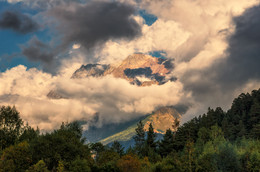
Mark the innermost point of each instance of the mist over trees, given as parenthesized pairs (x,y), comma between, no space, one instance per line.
(215,141)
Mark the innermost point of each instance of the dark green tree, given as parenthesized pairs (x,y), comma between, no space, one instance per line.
(139,138)
(97,149)
(203,135)
(166,145)
(107,161)
(29,133)
(61,146)
(117,147)
(227,158)
(188,131)
(241,129)
(16,158)
(203,138)
(225,127)
(151,136)
(39,167)
(80,165)
(207,162)
(10,126)
(188,157)
(254,120)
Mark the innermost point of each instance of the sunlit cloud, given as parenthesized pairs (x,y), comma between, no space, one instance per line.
(206,39)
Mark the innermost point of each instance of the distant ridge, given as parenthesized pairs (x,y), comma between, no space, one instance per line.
(162,119)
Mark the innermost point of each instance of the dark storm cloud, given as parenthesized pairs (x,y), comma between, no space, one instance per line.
(17,22)
(89,25)
(244,49)
(96,22)
(38,51)
(216,85)
(47,4)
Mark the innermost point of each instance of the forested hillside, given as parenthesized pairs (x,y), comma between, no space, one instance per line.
(215,141)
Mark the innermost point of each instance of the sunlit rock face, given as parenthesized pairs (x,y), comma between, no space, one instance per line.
(94,70)
(53,94)
(163,119)
(138,69)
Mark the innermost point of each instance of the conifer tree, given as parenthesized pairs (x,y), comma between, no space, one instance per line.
(140,133)
(117,147)
(151,136)
(241,129)
(189,156)
(166,145)
(254,115)
(139,137)
(225,127)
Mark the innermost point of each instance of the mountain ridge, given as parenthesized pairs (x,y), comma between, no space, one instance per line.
(162,119)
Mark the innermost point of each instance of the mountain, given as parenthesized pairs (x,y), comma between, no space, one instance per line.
(95,134)
(162,119)
(141,70)
(138,69)
(55,95)
(94,70)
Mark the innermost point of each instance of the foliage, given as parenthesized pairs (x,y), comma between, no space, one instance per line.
(107,160)
(79,165)
(63,145)
(151,136)
(145,164)
(29,134)
(166,145)
(38,167)
(117,147)
(140,138)
(10,126)
(16,158)
(129,163)
(227,158)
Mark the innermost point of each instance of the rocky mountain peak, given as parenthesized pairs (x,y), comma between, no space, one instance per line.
(138,60)
(163,119)
(94,70)
(138,69)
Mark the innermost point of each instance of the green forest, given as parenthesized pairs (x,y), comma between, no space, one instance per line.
(215,141)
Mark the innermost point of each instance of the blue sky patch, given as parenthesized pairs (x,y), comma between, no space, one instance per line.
(11,41)
(148,18)
(158,54)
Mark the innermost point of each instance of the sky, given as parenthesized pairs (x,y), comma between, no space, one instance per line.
(215,46)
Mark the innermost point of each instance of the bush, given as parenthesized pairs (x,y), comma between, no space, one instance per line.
(129,163)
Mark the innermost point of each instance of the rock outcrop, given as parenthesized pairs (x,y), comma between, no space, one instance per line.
(138,69)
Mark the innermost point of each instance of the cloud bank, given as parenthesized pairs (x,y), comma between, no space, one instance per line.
(114,100)
(212,61)
(214,44)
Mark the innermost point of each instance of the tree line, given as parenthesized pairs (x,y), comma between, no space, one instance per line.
(215,141)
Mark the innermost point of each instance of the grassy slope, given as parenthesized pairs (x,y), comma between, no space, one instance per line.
(125,135)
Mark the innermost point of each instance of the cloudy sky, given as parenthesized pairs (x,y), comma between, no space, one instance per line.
(215,45)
